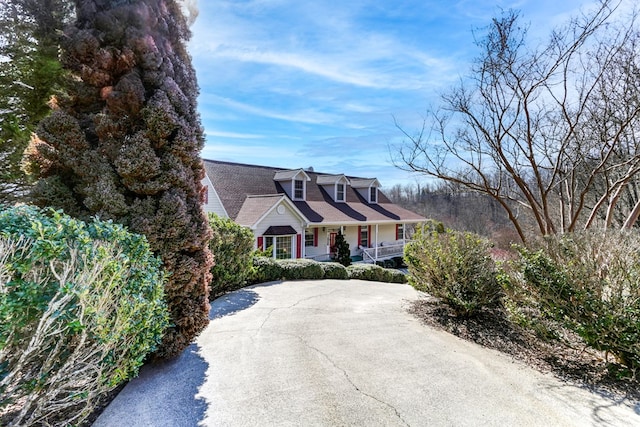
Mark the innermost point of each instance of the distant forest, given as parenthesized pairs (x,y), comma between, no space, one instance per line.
(457,208)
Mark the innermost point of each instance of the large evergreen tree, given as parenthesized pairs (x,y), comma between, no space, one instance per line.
(124,143)
(30,73)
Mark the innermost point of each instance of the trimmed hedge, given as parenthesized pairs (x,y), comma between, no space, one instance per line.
(294,269)
(375,273)
(334,270)
(81,306)
(269,270)
(265,269)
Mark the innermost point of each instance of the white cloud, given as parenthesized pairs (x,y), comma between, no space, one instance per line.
(232,135)
(308,115)
(319,40)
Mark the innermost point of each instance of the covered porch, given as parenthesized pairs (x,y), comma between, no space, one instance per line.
(368,243)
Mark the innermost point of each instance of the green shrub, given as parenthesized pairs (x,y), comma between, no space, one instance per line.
(334,270)
(588,282)
(268,270)
(265,269)
(343,253)
(395,276)
(232,247)
(455,267)
(294,269)
(81,306)
(375,273)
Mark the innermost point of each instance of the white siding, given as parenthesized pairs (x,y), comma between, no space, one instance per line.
(321,248)
(386,233)
(288,217)
(214,204)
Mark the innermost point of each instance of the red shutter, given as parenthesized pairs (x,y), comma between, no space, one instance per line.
(369,237)
(261,243)
(298,245)
(359,235)
(315,237)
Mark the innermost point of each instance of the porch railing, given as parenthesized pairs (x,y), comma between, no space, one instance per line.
(383,252)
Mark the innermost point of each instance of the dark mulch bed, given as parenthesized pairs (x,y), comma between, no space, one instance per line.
(568,359)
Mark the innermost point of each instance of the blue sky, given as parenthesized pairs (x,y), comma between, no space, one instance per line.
(290,83)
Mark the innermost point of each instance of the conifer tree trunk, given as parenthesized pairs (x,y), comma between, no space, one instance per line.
(125,144)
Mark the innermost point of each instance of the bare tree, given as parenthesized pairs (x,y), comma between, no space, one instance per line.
(542,128)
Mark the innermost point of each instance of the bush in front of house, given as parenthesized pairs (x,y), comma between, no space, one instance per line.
(375,273)
(455,267)
(343,253)
(232,247)
(334,270)
(81,306)
(588,282)
(265,269)
(395,276)
(295,269)
(269,270)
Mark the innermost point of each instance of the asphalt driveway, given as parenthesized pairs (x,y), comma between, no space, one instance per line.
(346,353)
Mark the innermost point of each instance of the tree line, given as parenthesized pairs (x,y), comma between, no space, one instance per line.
(457,208)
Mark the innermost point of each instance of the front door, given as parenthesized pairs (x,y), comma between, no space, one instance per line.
(332,244)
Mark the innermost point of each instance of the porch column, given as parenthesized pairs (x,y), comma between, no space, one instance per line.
(376,242)
(304,240)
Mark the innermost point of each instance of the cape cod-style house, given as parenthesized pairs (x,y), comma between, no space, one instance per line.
(299,212)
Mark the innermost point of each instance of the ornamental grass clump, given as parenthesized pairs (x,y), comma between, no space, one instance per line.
(455,267)
(81,307)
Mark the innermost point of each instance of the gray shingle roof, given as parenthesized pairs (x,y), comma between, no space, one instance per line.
(235,182)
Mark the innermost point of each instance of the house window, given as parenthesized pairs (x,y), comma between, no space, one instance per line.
(282,246)
(364,236)
(309,237)
(268,243)
(400,232)
(298,189)
(340,192)
(373,195)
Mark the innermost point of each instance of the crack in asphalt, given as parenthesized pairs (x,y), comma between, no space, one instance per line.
(348,378)
(266,319)
(268,316)
(326,356)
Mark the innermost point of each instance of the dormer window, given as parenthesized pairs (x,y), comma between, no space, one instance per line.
(298,189)
(335,186)
(339,192)
(294,183)
(373,195)
(367,188)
